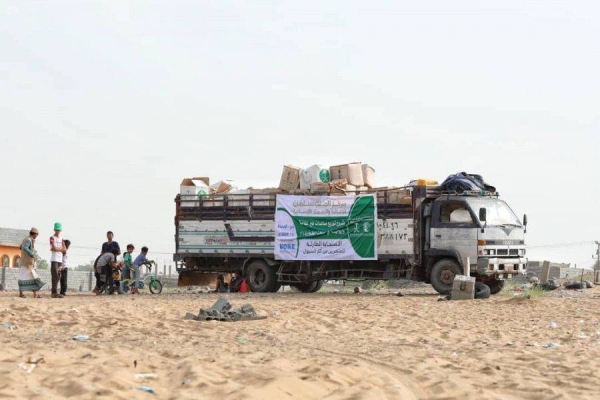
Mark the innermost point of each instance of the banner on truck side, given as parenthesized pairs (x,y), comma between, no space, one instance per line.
(326,228)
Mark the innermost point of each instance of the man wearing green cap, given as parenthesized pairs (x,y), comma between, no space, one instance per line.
(57,250)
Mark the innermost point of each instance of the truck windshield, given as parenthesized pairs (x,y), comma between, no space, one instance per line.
(498,212)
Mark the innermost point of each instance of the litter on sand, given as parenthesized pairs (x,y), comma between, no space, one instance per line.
(145,376)
(27,367)
(223,311)
(146,389)
(81,338)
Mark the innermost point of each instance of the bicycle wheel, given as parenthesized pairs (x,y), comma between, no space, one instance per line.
(155,287)
(126,287)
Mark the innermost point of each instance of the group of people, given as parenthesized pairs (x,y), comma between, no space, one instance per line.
(106,266)
(237,284)
(28,278)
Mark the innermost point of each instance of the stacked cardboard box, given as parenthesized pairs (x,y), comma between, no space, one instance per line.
(313,174)
(355,175)
(352,172)
(193,188)
(290,178)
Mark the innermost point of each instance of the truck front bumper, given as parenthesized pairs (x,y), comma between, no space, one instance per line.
(501,267)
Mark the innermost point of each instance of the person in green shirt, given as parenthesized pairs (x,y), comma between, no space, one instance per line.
(126,271)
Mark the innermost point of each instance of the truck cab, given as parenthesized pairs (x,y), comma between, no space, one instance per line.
(477,235)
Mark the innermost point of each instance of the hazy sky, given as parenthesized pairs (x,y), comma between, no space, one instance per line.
(105,107)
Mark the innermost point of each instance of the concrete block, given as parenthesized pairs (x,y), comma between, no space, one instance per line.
(545,272)
(463,288)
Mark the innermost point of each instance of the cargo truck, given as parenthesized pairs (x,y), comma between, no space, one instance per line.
(420,233)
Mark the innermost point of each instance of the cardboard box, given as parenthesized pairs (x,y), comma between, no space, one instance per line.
(352,172)
(368,176)
(339,183)
(319,187)
(313,174)
(241,198)
(222,187)
(290,178)
(398,196)
(192,188)
(213,202)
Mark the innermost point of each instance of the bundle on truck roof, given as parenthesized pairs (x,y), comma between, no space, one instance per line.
(331,229)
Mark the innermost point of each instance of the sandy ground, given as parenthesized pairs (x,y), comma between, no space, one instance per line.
(323,345)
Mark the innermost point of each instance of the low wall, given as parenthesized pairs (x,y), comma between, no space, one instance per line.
(76,280)
(79,281)
(555,271)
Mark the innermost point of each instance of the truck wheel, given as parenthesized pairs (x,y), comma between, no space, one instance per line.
(309,287)
(442,275)
(482,291)
(276,287)
(496,286)
(260,277)
(317,286)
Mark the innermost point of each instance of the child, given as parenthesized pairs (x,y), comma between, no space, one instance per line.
(139,260)
(57,250)
(127,262)
(104,267)
(222,287)
(63,269)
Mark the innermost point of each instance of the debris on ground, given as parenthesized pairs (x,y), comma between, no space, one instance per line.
(146,389)
(550,285)
(223,311)
(30,365)
(576,285)
(81,338)
(145,376)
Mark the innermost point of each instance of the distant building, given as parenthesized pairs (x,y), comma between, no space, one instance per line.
(10,246)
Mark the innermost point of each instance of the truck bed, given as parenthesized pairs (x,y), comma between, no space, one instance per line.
(391,203)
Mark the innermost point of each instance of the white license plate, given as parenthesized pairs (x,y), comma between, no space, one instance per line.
(509,267)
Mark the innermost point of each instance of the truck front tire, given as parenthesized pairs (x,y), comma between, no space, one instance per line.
(442,275)
(496,286)
(260,277)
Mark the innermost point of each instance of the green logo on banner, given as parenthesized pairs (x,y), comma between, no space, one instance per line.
(324,175)
(361,227)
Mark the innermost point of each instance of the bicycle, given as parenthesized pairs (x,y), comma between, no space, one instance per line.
(155,285)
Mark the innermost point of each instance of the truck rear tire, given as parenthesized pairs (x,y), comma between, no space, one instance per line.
(496,286)
(276,287)
(311,287)
(260,277)
(317,286)
(442,275)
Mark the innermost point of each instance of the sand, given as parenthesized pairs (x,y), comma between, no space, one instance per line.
(311,346)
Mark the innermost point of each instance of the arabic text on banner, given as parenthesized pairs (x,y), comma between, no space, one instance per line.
(325,228)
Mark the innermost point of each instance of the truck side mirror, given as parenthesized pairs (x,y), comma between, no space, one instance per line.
(525,219)
(483,218)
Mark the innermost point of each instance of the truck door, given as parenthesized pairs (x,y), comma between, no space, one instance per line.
(453,229)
